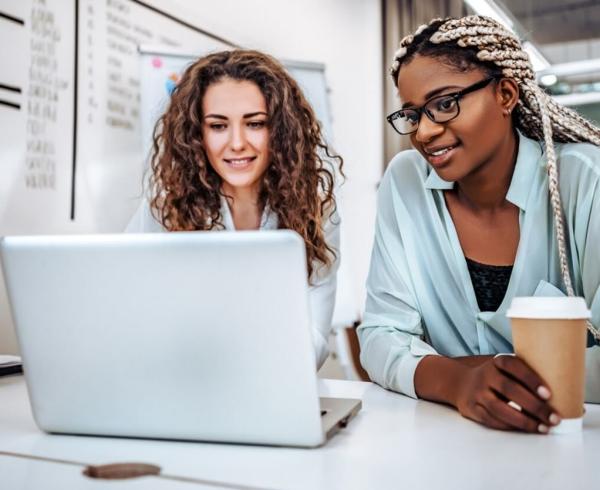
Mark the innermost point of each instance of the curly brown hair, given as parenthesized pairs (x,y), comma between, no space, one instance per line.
(299,181)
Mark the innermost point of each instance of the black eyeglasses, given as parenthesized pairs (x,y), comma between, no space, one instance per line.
(439,109)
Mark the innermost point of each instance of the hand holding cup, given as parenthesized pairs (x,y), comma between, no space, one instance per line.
(505,393)
(549,334)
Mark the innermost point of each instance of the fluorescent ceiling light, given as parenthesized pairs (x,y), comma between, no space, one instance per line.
(490,9)
(548,80)
(578,99)
(582,67)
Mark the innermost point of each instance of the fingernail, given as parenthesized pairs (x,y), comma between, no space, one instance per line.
(543,429)
(554,419)
(543,392)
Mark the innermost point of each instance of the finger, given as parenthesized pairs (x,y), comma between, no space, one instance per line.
(520,371)
(512,391)
(484,417)
(512,415)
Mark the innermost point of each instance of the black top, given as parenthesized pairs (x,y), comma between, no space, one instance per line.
(489,282)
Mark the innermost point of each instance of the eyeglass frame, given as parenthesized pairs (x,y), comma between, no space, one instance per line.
(455,95)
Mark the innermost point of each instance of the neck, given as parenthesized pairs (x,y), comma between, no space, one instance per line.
(486,188)
(245,208)
(239,195)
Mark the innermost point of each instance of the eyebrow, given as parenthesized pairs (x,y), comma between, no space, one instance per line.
(245,116)
(432,93)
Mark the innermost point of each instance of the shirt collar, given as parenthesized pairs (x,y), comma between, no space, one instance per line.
(434,181)
(526,168)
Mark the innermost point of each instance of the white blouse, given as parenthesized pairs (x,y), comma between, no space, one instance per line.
(321,292)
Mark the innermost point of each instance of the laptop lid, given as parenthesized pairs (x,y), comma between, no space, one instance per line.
(195,335)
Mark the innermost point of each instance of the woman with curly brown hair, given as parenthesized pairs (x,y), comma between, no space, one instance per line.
(240,148)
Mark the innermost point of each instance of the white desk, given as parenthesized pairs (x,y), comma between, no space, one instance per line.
(395,442)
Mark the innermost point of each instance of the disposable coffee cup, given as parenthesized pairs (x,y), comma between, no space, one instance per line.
(549,334)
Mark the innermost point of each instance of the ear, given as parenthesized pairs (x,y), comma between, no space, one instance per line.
(507,92)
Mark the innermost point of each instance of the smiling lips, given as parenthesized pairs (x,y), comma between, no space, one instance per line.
(239,163)
(439,155)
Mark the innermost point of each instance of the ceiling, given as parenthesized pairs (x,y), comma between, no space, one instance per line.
(556,21)
(564,31)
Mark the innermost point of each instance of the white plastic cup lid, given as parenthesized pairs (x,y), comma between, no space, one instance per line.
(555,307)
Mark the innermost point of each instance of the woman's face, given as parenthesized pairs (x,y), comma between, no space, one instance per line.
(457,148)
(235,133)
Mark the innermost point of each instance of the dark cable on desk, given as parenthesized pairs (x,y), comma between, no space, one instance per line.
(130,470)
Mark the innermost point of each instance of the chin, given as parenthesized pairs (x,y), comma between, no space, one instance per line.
(239,181)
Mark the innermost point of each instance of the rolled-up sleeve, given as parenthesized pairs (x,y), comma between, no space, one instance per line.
(321,293)
(390,335)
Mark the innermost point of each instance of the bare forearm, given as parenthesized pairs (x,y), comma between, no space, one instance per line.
(472,361)
(437,378)
(478,387)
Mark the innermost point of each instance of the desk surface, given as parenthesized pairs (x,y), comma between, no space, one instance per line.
(394,442)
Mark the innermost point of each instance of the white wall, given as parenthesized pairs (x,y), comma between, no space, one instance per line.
(345,35)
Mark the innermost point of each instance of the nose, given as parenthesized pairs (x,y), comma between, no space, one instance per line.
(427,129)
(237,137)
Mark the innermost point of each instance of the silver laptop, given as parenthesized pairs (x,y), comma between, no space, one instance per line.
(193,336)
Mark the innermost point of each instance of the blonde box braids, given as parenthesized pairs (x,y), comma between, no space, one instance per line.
(537,115)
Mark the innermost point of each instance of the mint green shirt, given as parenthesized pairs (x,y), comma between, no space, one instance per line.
(420,299)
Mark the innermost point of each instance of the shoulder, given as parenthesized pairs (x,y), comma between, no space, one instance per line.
(579,169)
(585,157)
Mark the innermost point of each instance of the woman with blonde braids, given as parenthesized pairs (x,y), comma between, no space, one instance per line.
(240,148)
(500,198)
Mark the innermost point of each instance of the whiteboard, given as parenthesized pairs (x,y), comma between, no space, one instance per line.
(71,156)
(36,141)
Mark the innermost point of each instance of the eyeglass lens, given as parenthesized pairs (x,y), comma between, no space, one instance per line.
(440,109)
